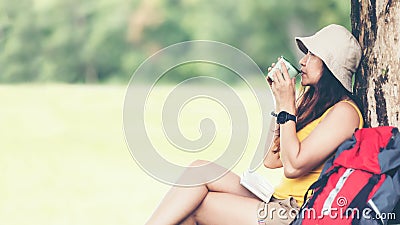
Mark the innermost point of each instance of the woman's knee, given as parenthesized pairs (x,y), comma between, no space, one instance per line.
(196,173)
(199,162)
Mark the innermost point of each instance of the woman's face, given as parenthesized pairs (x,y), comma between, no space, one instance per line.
(311,69)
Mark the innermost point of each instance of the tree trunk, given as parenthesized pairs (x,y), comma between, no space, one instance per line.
(376,25)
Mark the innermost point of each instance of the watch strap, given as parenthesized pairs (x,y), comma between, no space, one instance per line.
(284,116)
(291,117)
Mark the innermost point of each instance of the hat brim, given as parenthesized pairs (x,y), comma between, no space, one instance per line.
(301,45)
(303,42)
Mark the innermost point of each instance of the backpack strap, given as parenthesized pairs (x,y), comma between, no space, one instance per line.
(360,200)
(318,186)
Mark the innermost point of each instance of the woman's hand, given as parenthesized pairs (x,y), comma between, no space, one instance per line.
(283,88)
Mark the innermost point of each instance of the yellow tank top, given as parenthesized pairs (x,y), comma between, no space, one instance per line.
(297,187)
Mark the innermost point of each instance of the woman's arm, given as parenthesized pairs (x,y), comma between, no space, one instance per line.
(272,159)
(300,158)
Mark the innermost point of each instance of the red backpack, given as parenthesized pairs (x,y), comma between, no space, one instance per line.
(360,184)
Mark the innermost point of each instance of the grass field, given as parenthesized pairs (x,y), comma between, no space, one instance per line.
(63,157)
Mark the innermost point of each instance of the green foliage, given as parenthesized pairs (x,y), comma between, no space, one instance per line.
(105,41)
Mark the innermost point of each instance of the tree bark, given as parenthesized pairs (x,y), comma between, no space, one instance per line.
(376,25)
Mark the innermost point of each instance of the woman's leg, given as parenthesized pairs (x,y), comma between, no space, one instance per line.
(227,209)
(180,202)
(189,221)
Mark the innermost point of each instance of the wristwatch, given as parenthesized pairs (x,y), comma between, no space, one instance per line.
(283,117)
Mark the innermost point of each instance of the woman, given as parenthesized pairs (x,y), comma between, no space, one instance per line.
(326,116)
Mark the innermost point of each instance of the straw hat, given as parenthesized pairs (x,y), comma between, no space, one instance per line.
(339,50)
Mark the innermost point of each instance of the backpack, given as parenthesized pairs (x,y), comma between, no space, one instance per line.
(360,184)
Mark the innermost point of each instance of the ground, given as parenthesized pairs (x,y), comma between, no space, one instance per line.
(63,158)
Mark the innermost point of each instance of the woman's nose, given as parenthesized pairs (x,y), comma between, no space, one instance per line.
(302,61)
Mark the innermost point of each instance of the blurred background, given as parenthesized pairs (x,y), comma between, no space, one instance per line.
(64,69)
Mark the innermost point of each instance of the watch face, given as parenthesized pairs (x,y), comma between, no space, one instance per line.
(282,117)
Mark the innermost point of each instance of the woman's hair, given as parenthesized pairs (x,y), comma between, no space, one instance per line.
(315,100)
